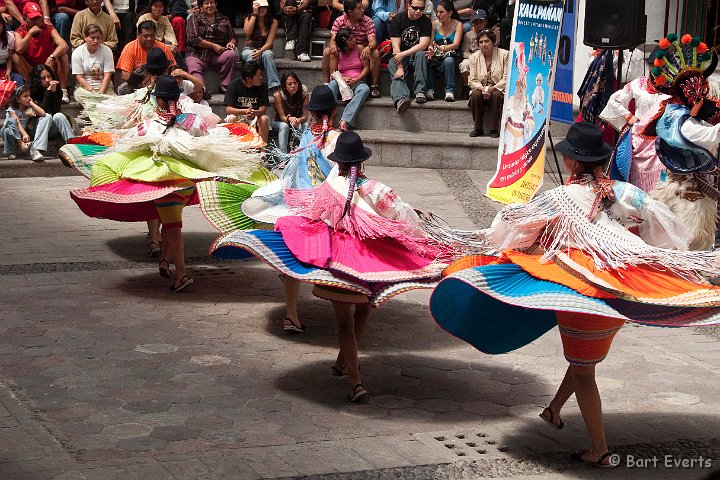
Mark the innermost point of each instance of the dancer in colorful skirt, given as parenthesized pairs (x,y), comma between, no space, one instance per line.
(586,256)
(151,172)
(354,239)
(226,207)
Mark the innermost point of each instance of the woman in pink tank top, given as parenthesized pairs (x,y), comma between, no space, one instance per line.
(354,71)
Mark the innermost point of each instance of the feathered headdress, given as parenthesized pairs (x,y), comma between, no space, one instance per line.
(681,67)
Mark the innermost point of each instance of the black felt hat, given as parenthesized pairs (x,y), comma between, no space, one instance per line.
(322,98)
(166,87)
(349,148)
(156,59)
(584,143)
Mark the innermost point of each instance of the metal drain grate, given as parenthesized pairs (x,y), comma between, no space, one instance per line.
(471,444)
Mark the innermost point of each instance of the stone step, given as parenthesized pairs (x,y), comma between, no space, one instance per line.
(450,151)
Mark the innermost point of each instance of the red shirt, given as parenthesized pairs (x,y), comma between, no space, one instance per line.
(41,45)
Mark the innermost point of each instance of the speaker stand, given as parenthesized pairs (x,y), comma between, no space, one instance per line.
(552,146)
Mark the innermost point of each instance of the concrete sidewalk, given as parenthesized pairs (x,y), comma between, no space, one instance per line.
(105,374)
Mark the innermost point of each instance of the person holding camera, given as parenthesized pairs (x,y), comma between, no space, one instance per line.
(247,97)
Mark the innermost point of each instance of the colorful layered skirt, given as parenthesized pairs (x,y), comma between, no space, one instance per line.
(499,304)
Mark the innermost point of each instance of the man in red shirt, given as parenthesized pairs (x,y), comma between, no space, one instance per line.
(37,43)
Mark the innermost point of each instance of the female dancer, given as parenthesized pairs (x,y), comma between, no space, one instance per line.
(354,239)
(569,258)
(151,172)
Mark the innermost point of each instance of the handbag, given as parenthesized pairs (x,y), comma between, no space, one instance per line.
(7,87)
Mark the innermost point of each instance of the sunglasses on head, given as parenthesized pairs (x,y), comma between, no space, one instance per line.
(417,9)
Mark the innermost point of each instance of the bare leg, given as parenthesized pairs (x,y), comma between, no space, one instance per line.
(347,340)
(164,245)
(177,252)
(292,292)
(153,231)
(588,398)
(566,388)
(360,320)
(375,67)
(326,65)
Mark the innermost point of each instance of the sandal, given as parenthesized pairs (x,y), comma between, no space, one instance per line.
(184,282)
(358,391)
(551,420)
(375,91)
(292,327)
(153,249)
(612,460)
(164,267)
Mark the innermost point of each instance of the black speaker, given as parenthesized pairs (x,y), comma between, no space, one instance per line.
(615,23)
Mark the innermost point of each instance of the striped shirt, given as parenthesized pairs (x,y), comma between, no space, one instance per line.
(364,28)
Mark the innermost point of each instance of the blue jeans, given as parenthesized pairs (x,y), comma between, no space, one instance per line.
(62,24)
(398,87)
(448,66)
(54,122)
(361,92)
(267,62)
(283,130)
(11,133)
(381,29)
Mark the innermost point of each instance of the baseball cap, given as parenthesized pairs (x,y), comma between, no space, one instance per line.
(478,15)
(32,10)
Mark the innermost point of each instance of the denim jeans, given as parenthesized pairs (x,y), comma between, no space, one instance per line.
(62,23)
(267,62)
(448,66)
(381,29)
(283,130)
(43,130)
(361,92)
(398,87)
(11,133)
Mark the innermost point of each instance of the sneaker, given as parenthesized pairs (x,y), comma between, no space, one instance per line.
(35,155)
(304,57)
(402,105)
(430,95)
(449,97)
(290,45)
(65,98)
(12,156)
(420,98)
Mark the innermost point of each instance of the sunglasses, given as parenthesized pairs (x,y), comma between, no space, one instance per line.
(417,9)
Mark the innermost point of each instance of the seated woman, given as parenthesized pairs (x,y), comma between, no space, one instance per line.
(260,30)
(45,91)
(570,258)
(164,31)
(19,111)
(93,64)
(290,111)
(354,239)
(354,71)
(7,48)
(211,43)
(447,35)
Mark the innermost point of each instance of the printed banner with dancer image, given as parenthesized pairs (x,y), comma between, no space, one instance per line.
(523,134)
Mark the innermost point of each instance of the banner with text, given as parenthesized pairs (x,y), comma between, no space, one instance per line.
(523,134)
(562,97)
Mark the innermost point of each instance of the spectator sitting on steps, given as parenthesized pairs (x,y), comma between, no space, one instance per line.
(488,75)
(297,17)
(290,112)
(247,97)
(94,15)
(20,110)
(363,29)
(136,53)
(38,43)
(260,31)
(45,92)
(471,45)
(93,64)
(354,71)
(211,43)
(410,36)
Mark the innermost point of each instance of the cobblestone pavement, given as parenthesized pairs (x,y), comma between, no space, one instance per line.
(105,374)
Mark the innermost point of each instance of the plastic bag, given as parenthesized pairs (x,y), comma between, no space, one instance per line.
(345,91)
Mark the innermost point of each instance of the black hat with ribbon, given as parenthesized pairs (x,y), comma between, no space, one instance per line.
(349,148)
(322,98)
(166,87)
(584,143)
(156,59)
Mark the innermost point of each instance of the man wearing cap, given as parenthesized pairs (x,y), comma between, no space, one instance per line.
(37,43)
(135,53)
(247,97)
(93,14)
(471,45)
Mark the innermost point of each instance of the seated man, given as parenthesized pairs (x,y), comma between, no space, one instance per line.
(410,36)
(383,13)
(135,53)
(38,43)
(297,18)
(93,15)
(363,30)
(247,97)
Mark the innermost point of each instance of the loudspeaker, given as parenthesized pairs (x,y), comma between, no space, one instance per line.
(617,24)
